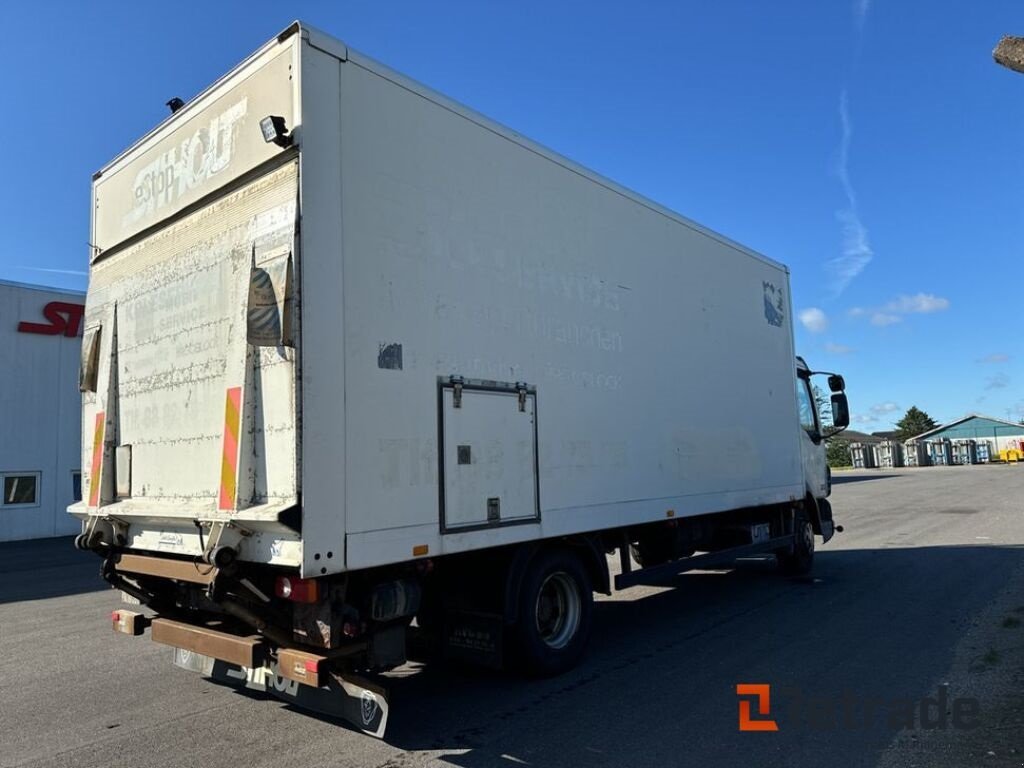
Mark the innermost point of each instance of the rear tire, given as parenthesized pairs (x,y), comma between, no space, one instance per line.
(800,559)
(556,601)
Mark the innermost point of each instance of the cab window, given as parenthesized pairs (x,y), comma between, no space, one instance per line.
(806,406)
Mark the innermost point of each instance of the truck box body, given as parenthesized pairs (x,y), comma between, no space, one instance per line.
(412,332)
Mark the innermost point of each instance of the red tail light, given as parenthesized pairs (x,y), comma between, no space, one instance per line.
(296,589)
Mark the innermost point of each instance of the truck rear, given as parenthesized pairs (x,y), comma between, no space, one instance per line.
(361,367)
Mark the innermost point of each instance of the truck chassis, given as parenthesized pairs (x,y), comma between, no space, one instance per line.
(526,606)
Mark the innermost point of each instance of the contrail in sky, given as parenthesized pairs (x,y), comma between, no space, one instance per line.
(857,252)
(53,271)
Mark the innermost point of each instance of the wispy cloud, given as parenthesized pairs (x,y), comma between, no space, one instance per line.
(813,319)
(994,358)
(881,409)
(876,413)
(999,381)
(919,303)
(51,270)
(882,319)
(856,246)
(837,349)
(895,310)
(860,10)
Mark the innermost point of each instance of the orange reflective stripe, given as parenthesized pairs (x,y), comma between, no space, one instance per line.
(97,460)
(229,460)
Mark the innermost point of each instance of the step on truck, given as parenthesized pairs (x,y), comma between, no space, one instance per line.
(365,374)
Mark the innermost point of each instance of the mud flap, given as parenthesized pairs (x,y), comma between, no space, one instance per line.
(355,700)
(349,698)
(828,527)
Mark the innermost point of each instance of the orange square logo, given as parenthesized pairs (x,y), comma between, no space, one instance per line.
(761,693)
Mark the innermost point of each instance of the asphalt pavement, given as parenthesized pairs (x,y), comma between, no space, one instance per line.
(919,592)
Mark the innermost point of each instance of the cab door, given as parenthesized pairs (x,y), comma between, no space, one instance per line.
(812,444)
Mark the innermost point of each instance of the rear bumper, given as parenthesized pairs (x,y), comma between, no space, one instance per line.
(251,651)
(243,651)
(305,679)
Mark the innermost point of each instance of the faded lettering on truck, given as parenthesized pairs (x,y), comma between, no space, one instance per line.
(199,156)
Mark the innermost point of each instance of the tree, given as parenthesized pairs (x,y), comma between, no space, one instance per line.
(824,405)
(837,453)
(1010,53)
(913,423)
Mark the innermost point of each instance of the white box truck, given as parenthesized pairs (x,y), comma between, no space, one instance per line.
(361,364)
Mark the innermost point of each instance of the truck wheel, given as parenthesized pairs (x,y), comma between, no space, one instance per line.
(800,560)
(555,605)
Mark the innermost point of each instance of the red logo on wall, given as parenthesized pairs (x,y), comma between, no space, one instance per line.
(64,319)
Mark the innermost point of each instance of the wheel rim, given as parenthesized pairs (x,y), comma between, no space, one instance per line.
(558,609)
(807,537)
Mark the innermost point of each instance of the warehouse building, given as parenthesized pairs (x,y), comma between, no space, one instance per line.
(40,425)
(994,439)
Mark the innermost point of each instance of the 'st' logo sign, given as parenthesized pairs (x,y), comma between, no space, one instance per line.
(762,693)
(64,318)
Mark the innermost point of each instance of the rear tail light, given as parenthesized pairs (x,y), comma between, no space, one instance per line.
(297,590)
(129,622)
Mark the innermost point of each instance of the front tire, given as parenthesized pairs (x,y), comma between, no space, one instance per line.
(800,559)
(556,603)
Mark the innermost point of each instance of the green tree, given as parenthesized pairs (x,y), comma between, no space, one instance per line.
(913,423)
(837,453)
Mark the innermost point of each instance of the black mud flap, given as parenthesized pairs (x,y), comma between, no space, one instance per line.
(828,526)
(349,698)
(360,702)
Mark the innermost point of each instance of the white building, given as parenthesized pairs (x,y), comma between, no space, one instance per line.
(40,410)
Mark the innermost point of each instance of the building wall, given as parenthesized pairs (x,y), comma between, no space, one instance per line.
(1000,435)
(40,422)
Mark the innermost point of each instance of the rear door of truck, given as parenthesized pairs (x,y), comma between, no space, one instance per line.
(189,363)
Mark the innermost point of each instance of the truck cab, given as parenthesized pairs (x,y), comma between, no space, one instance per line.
(813,433)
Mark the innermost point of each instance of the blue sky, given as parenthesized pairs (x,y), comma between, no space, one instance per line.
(871,145)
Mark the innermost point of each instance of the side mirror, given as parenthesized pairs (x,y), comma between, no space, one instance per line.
(836,383)
(840,410)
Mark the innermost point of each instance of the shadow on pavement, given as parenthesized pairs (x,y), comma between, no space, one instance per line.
(839,478)
(42,568)
(658,685)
